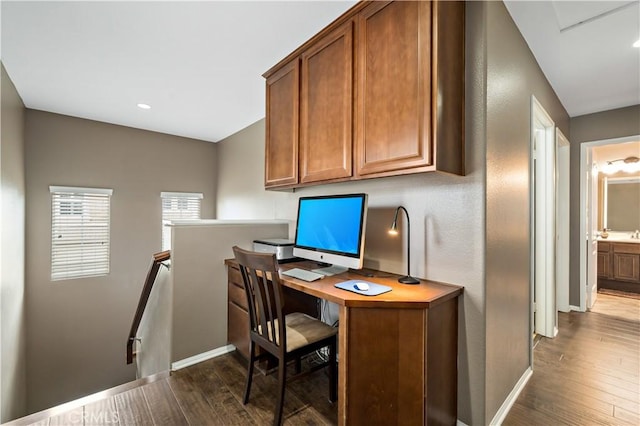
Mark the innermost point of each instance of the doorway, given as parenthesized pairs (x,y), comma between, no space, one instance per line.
(589,203)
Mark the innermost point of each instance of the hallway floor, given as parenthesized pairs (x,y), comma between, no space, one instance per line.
(590,373)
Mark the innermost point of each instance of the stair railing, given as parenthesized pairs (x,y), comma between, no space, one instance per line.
(158,260)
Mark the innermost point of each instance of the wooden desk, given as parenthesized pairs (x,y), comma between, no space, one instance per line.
(397,351)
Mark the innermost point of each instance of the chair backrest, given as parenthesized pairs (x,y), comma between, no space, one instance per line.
(264,297)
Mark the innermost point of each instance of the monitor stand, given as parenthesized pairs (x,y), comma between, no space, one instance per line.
(330,270)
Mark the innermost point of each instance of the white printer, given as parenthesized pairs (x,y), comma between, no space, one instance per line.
(282,247)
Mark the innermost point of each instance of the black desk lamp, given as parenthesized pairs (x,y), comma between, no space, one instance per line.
(407,279)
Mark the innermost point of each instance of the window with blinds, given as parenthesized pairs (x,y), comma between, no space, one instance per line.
(80,228)
(177,206)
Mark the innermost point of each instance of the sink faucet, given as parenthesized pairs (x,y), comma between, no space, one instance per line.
(636,234)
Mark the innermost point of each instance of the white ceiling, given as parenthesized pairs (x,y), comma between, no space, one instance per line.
(199,64)
(585,48)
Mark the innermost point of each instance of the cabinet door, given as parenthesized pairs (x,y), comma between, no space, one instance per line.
(603,264)
(281,147)
(326,100)
(626,267)
(393,100)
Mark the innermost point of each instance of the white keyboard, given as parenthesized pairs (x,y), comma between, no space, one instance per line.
(302,274)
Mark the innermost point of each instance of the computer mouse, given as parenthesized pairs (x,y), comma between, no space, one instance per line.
(361,286)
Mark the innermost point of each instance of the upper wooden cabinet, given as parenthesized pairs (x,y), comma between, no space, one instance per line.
(326,98)
(281,127)
(379,92)
(394,86)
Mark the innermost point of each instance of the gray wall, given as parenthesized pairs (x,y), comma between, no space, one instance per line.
(241,193)
(513,76)
(612,124)
(77,329)
(13,394)
(199,280)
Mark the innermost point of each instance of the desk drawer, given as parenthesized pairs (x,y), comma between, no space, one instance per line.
(234,276)
(237,296)
(238,329)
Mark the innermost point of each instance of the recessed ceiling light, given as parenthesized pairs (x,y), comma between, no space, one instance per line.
(636,44)
(144,106)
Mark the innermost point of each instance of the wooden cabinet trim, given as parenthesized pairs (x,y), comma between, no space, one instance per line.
(346,16)
(631,248)
(448,86)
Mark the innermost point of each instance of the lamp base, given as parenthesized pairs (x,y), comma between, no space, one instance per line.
(408,280)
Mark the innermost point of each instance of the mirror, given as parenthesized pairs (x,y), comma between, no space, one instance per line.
(621,203)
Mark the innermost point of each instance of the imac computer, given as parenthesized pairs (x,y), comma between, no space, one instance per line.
(330,230)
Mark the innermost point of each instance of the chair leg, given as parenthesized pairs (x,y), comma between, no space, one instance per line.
(252,356)
(333,372)
(282,378)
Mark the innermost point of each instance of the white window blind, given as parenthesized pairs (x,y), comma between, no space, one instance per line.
(177,206)
(80,228)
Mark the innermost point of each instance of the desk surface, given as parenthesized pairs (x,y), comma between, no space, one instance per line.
(424,295)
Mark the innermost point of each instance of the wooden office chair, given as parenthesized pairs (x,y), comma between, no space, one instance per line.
(285,337)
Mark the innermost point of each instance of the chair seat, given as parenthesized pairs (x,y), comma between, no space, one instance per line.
(303,330)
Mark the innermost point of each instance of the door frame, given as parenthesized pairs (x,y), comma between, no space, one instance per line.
(543,223)
(585,153)
(563,171)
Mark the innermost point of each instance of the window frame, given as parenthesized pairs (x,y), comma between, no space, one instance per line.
(179,198)
(83,216)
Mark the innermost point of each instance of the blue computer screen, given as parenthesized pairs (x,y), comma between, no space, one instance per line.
(331,223)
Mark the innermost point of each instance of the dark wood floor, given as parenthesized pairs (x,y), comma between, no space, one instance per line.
(208,393)
(588,375)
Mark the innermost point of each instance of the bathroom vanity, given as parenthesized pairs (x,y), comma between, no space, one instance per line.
(619,264)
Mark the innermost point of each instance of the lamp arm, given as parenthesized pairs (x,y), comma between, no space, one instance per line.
(406,213)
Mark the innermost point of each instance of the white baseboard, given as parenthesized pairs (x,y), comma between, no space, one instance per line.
(460,423)
(201,357)
(575,308)
(511,399)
